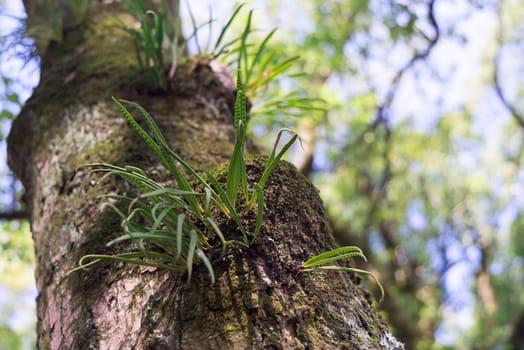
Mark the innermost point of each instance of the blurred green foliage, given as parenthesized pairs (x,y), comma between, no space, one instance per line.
(17,294)
(429,189)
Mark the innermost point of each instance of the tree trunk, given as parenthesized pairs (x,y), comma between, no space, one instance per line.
(260,299)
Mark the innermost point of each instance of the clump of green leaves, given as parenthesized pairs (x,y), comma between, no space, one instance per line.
(323,261)
(157,42)
(259,65)
(171,227)
(237,174)
(159,46)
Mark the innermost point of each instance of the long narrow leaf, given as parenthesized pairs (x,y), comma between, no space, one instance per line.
(275,158)
(226,27)
(165,153)
(191,253)
(169,192)
(207,264)
(145,136)
(258,54)
(227,50)
(130,258)
(147,42)
(159,218)
(137,179)
(155,130)
(333,253)
(113,207)
(218,232)
(327,260)
(243,54)
(236,173)
(272,162)
(179,233)
(158,34)
(143,235)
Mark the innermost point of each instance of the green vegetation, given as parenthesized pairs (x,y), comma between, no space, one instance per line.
(161,217)
(418,162)
(159,33)
(17,310)
(319,262)
(168,218)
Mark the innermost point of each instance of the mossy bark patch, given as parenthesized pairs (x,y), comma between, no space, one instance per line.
(262,300)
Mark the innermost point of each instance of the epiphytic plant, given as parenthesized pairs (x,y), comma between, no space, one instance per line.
(172,227)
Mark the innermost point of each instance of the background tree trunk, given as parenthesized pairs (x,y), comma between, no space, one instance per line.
(260,299)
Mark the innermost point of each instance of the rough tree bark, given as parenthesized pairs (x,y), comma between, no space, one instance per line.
(260,299)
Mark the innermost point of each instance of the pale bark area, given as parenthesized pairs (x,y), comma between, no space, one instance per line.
(260,299)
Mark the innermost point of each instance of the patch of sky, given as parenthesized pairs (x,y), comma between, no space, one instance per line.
(295,29)
(415,214)
(457,290)
(376,242)
(455,324)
